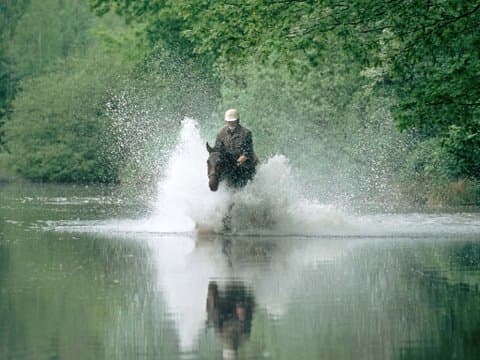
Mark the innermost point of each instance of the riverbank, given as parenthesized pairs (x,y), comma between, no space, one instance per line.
(461,194)
(6,172)
(438,194)
(427,194)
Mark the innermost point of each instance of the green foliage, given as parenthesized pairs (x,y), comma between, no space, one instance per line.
(435,68)
(464,145)
(57,132)
(6,91)
(429,162)
(10,13)
(48,31)
(432,173)
(59,129)
(146,113)
(426,53)
(164,21)
(330,126)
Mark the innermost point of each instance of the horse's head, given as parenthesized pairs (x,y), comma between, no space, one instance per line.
(219,163)
(216,165)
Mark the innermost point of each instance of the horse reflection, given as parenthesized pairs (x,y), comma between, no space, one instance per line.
(230,312)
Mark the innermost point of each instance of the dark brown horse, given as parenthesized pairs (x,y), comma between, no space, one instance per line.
(230,312)
(222,166)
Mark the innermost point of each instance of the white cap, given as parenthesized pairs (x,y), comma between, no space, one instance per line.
(231,115)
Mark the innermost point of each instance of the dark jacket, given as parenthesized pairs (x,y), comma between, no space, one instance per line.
(237,142)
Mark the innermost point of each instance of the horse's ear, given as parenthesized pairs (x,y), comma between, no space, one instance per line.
(209,148)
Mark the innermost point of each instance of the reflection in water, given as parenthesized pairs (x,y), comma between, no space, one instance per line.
(118,292)
(236,275)
(230,312)
(185,269)
(316,298)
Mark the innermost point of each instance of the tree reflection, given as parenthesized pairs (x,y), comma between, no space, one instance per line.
(230,313)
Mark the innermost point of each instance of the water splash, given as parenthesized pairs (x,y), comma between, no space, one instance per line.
(184,198)
(272,202)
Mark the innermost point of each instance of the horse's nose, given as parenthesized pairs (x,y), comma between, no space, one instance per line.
(213,185)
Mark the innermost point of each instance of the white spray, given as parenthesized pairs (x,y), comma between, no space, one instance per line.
(271,203)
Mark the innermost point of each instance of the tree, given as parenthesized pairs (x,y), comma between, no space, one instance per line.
(49,31)
(58,128)
(10,13)
(429,50)
(426,52)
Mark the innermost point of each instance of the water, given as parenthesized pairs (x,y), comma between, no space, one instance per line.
(97,273)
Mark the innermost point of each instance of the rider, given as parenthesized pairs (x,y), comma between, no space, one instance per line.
(237,142)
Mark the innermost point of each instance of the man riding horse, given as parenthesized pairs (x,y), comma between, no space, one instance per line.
(232,158)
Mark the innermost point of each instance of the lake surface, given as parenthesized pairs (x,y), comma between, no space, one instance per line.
(83,277)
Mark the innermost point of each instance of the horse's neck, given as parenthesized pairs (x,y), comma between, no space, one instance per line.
(228,158)
(228,168)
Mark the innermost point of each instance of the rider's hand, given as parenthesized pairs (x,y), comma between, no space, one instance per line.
(241,159)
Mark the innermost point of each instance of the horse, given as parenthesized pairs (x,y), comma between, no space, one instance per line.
(222,166)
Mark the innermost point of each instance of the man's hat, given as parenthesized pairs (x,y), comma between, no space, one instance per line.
(232,115)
